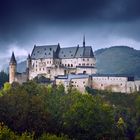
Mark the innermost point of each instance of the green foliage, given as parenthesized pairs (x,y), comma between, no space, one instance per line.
(53,137)
(7,87)
(47,112)
(3,78)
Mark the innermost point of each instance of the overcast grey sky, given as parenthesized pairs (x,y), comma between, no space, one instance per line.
(105,23)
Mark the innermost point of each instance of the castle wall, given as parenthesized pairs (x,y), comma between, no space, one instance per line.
(80,83)
(86,70)
(116,84)
(137,85)
(78,62)
(21,78)
(85,61)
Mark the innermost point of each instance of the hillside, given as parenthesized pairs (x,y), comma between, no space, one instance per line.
(116,59)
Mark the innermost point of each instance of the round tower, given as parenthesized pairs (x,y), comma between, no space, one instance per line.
(29,63)
(12,68)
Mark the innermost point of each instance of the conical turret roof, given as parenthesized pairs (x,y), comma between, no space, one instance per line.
(13,59)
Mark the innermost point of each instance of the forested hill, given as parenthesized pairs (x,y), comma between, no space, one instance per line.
(118,59)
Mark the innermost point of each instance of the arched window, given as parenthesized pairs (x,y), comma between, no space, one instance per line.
(71,65)
(84,72)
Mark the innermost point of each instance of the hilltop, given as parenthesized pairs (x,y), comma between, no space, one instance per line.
(116,59)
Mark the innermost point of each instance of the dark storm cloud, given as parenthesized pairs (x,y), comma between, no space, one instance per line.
(20,19)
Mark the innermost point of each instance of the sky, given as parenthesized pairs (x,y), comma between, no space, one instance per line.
(105,23)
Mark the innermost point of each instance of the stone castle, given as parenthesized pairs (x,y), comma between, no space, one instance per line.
(70,66)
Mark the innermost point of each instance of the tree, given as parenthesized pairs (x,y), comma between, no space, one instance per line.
(3,78)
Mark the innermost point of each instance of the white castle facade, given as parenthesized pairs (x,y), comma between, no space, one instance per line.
(70,66)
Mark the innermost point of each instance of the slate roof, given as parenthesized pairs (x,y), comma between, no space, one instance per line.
(72,76)
(13,59)
(46,51)
(54,51)
(68,52)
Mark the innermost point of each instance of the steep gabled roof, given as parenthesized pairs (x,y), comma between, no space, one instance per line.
(68,52)
(54,51)
(46,51)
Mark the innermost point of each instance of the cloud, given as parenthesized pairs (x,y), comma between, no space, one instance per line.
(104,22)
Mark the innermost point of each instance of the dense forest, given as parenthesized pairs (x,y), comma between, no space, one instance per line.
(44,112)
(118,60)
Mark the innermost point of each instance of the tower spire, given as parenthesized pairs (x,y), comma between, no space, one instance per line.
(13,59)
(84,43)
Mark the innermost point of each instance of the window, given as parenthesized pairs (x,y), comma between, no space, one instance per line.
(50,49)
(79,64)
(83,59)
(65,72)
(49,71)
(87,59)
(45,54)
(71,65)
(84,72)
(40,69)
(68,65)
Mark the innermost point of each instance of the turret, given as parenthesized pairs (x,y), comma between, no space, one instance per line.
(12,68)
(29,63)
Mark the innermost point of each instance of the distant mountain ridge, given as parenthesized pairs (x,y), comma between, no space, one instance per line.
(118,60)
(113,60)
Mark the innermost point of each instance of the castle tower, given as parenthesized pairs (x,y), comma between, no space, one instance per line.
(12,68)
(29,64)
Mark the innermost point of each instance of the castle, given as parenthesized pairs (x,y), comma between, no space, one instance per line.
(73,66)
